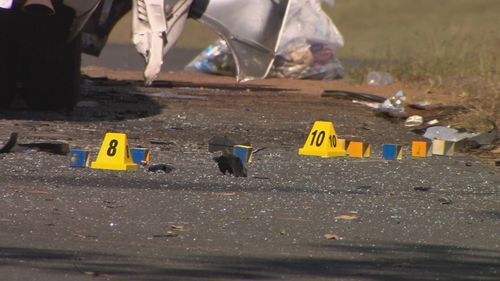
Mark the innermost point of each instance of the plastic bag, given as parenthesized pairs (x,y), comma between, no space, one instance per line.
(299,56)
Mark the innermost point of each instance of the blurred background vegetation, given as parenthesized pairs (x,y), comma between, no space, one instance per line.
(447,44)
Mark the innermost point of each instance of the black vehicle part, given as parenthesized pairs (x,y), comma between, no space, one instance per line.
(8,50)
(100,24)
(50,74)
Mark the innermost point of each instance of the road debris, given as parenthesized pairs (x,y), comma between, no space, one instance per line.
(160,168)
(177,227)
(447,134)
(376,78)
(347,217)
(53,147)
(168,234)
(227,194)
(422,188)
(445,201)
(393,107)
(307,48)
(414,120)
(484,141)
(331,236)
(234,159)
(222,144)
(232,165)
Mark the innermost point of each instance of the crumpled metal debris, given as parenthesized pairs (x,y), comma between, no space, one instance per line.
(306,50)
(59,148)
(487,141)
(157,24)
(447,134)
(394,106)
(154,35)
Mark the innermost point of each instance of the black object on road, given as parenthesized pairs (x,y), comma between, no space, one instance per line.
(232,165)
(58,148)
(160,168)
(9,145)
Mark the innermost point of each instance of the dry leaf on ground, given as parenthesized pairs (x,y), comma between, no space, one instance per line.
(331,236)
(347,217)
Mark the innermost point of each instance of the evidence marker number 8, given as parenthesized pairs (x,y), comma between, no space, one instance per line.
(318,139)
(112,148)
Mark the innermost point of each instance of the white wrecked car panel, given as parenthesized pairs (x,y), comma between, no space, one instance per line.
(251,28)
(156,26)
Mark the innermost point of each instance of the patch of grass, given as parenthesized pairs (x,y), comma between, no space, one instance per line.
(447,44)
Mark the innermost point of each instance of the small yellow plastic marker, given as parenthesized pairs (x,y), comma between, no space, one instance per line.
(322,142)
(114,154)
(421,149)
(358,149)
(442,147)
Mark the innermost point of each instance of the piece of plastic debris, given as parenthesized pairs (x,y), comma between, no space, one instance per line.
(414,120)
(160,168)
(394,106)
(433,122)
(376,78)
(447,134)
(307,48)
(114,154)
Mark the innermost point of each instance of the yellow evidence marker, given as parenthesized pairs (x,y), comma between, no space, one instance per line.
(443,148)
(421,149)
(358,149)
(114,154)
(322,142)
(343,144)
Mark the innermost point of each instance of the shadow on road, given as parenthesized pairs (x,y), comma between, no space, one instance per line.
(101,100)
(341,261)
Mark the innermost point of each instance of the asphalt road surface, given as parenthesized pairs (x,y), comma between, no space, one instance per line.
(292,218)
